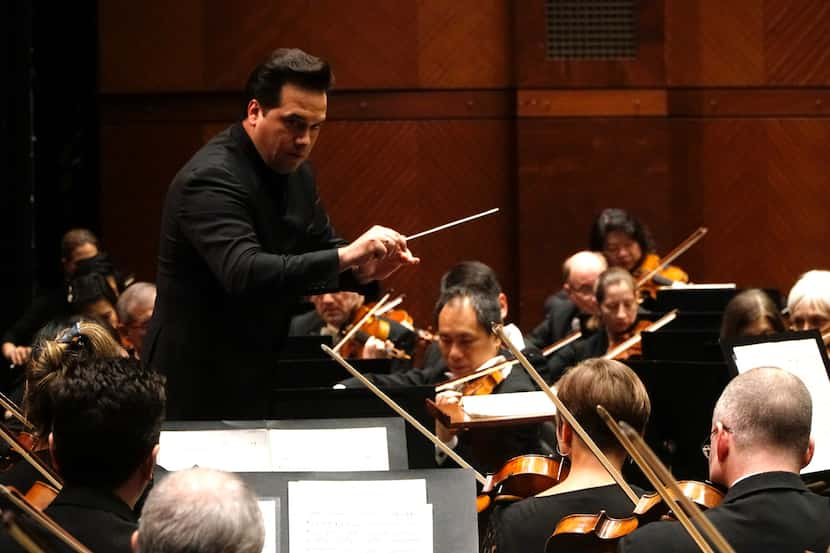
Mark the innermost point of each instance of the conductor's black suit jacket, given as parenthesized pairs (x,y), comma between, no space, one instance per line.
(240,244)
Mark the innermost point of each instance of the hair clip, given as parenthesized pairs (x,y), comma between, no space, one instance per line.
(72,336)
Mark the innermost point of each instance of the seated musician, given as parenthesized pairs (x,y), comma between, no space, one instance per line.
(525,526)
(467,342)
(200,511)
(626,243)
(809,303)
(473,275)
(618,309)
(106,421)
(571,308)
(135,309)
(50,356)
(90,295)
(333,315)
(758,443)
(751,313)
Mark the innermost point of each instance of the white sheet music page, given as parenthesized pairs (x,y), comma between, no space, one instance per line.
(383,516)
(329,449)
(803,359)
(270,518)
(228,450)
(517,404)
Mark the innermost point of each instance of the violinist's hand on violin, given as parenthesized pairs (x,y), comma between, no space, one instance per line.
(448,397)
(374,348)
(376,254)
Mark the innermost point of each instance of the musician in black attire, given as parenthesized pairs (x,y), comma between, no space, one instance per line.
(467,343)
(243,238)
(107,415)
(524,526)
(618,311)
(759,441)
(575,304)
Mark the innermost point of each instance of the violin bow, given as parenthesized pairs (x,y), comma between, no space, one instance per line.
(665,485)
(352,331)
(657,325)
(19,535)
(15,411)
(7,436)
(566,414)
(546,352)
(402,412)
(674,254)
(15,498)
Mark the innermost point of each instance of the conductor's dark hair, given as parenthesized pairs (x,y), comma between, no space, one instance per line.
(473,275)
(614,219)
(287,66)
(485,304)
(107,419)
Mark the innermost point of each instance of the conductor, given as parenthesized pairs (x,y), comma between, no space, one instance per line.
(243,237)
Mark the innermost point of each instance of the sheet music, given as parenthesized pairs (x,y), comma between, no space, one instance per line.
(803,359)
(228,450)
(270,518)
(329,449)
(386,516)
(518,404)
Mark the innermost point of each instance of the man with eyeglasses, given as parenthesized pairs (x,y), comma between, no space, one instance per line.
(618,308)
(759,441)
(571,307)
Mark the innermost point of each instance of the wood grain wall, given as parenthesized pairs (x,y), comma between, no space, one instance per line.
(446,108)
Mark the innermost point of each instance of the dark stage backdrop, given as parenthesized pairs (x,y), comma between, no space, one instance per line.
(686,112)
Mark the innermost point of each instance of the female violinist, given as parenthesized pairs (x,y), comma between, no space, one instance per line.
(588,488)
(618,310)
(54,347)
(626,243)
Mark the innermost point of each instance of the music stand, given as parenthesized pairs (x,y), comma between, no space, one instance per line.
(800,353)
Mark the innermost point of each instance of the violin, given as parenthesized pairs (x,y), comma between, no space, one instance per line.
(630,344)
(521,477)
(654,272)
(393,326)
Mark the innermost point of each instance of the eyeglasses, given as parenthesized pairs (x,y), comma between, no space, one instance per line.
(706,448)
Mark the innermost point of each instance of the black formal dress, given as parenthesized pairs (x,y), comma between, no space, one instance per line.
(771,512)
(524,526)
(240,244)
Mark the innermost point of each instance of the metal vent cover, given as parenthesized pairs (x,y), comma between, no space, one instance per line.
(591,29)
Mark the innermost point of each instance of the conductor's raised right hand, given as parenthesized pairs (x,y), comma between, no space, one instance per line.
(376,254)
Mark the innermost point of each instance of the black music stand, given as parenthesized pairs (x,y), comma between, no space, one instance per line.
(323,372)
(304,347)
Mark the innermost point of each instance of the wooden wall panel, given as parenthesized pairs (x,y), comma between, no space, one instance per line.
(797,40)
(710,42)
(534,70)
(208,46)
(572,168)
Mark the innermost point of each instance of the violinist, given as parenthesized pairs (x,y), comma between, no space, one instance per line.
(135,308)
(751,313)
(333,315)
(626,243)
(618,310)
(758,442)
(525,526)
(809,302)
(106,418)
(573,306)
(50,356)
(467,342)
